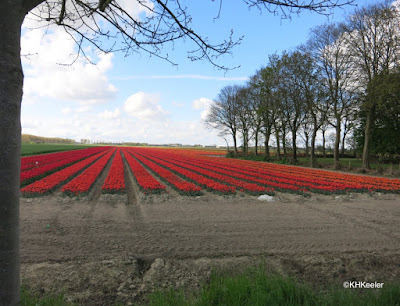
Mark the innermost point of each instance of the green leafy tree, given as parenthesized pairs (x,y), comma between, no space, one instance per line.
(373,42)
(384,93)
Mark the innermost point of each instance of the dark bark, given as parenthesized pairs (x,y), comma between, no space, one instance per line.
(294,138)
(278,144)
(312,155)
(234,143)
(323,143)
(343,145)
(284,141)
(256,142)
(11,79)
(266,143)
(367,137)
(307,144)
(337,144)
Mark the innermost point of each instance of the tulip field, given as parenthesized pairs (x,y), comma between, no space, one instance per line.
(187,171)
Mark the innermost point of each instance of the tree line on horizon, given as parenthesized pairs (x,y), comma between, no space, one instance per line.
(28,138)
(346,77)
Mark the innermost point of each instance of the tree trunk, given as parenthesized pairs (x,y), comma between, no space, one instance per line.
(245,143)
(294,137)
(367,137)
(266,143)
(343,146)
(307,143)
(234,143)
(284,147)
(11,79)
(256,142)
(337,143)
(284,141)
(313,160)
(278,145)
(323,143)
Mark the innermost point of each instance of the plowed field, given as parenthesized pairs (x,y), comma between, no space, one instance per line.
(101,247)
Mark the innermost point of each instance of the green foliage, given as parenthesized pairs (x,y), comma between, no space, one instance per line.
(28,298)
(383,95)
(255,287)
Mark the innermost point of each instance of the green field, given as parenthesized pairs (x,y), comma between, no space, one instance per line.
(42,148)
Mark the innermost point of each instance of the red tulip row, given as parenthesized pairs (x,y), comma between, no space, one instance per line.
(262,176)
(84,181)
(38,166)
(311,179)
(226,179)
(352,182)
(34,161)
(265,178)
(56,179)
(146,182)
(115,181)
(175,181)
(196,178)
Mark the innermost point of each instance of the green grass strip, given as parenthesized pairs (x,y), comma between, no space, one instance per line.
(28,298)
(255,287)
(43,148)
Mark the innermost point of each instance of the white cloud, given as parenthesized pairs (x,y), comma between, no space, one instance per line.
(107,115)
(113,125)
(83,109)
(134,9)
(49,71)
(203,104)
(143,105)
(66,110)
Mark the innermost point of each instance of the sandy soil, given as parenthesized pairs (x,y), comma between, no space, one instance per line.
(106,249)
(102,249)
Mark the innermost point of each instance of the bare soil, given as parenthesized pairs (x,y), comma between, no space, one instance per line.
(105,249)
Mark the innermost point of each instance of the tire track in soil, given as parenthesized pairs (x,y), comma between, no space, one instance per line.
(94,195)
(133,208)
(155,234)
(95,192)
(91,200)
(168,188)
(366,224)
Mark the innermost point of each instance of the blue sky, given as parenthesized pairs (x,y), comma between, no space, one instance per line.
(145,99)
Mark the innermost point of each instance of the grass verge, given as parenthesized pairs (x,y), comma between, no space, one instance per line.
(28,298)
(255,287)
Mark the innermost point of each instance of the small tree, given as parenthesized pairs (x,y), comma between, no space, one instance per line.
(223,114)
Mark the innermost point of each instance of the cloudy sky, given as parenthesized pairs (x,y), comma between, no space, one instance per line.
(141,98)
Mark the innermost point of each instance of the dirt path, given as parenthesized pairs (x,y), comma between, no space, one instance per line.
(118,248)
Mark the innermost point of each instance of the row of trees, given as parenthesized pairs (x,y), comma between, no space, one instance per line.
(27,138)
(345,77)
